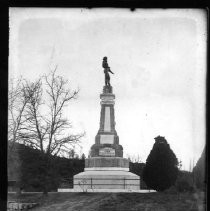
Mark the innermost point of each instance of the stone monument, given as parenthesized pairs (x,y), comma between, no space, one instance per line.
(106,168)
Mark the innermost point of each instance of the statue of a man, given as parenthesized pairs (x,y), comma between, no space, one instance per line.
(106,71)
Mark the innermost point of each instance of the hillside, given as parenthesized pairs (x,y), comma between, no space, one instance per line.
(27,165)
(199,171)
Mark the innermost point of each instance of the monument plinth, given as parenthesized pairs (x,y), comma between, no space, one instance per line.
(106,168)
(107,152)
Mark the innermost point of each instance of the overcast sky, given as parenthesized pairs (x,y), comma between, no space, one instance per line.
(159,61)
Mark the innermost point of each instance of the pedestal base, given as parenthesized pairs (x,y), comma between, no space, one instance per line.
(67,190)
(108,179)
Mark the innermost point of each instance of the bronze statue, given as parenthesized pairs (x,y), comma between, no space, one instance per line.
(106,71)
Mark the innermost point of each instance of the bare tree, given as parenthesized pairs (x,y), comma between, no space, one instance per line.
(46,125)
(72,153)
(16,111)
(16,119)
(134,158)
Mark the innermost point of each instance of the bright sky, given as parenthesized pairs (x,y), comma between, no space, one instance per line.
(159,61)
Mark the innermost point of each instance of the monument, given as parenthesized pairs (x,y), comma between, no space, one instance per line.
(106,168)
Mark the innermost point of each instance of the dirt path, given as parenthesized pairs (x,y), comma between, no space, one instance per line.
(82,202)
(116,202)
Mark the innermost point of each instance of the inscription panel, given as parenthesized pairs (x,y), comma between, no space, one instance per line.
(107,122)
(106,139)
(107,151)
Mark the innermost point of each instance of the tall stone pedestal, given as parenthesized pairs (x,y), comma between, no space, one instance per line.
(106,168)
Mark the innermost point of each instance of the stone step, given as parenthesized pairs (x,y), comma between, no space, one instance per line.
(106,190)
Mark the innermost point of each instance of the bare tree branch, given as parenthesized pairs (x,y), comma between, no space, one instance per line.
(16,110)
(44,125)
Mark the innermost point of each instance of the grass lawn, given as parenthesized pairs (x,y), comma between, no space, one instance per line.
(113,201)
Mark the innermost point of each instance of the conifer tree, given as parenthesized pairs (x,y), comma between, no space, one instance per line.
(161,169)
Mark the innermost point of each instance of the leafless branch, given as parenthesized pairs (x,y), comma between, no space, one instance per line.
(42,125)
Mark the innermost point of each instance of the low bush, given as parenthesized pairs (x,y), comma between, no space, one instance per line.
(171,190)
(184,182)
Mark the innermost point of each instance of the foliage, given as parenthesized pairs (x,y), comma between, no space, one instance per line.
(160,171)
(83,156)
(184,182)
(137,168)
(171,190)
(199,172)
(33,166)
(14,161)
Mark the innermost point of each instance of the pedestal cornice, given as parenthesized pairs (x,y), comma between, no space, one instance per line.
(107,99)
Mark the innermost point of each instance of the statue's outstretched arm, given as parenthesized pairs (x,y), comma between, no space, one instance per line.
(111,71)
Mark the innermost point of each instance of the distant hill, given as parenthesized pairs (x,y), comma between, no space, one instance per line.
(26,165)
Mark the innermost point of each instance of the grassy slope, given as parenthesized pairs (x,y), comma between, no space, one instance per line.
(114,201)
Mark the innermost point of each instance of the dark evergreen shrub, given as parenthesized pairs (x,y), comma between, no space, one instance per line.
(160,171)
